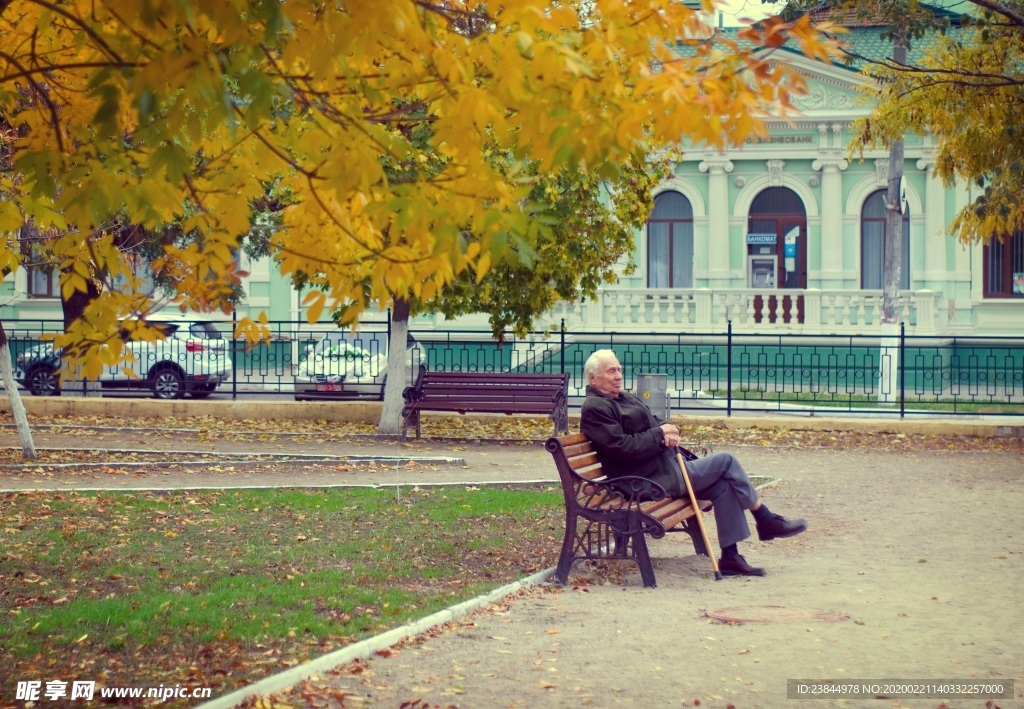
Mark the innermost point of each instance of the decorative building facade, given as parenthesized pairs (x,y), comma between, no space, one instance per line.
(785,233)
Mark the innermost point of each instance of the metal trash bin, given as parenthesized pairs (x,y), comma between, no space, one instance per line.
(653,390)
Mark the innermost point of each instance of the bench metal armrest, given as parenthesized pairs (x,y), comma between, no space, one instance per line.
(617,503)
(415,392)
(622,493)
(635,489)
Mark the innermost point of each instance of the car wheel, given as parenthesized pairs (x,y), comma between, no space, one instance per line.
(167,383)
(43,381)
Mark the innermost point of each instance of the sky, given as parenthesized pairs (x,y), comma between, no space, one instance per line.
(735,9)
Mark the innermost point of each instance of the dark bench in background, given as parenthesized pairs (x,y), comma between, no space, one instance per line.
(609,521)
(487,392)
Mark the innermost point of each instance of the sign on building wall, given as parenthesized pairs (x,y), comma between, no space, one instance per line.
(781,139)
(762,238)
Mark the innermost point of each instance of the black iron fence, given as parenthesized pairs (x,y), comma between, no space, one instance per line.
(723,372)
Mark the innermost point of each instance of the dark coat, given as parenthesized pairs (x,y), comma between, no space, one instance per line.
(629,440)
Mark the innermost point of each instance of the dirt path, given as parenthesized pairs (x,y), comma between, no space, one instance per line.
(924,553)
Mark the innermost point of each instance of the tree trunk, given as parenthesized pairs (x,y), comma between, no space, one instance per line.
(74,308)
(28,447)
(889,356)
(893,242)
(398,370)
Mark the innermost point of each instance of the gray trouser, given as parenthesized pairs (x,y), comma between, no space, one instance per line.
(721,479)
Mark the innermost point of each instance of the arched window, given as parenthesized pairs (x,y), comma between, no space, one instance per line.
(872,244)
(670,242)
(777,201)
(1004,267)
(777,213)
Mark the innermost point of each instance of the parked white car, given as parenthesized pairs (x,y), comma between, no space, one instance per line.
(192,358)
(336,368)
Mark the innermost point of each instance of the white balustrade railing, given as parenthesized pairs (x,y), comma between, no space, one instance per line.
(809,311)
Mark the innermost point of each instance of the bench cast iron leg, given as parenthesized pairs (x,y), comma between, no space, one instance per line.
(643,559)
(410,419)
(699,548)
(565,557)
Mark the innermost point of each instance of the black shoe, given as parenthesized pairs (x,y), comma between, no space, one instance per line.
(738,566)
(779,527)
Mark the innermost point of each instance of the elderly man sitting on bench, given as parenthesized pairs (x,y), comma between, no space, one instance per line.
(630,440)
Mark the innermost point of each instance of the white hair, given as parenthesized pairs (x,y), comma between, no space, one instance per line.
(590,366)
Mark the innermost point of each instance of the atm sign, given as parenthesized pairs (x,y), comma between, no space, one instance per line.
(762,238)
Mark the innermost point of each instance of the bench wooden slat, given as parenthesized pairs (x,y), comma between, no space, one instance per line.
(568,442)
(481,388)
(578,449)
(659,508)
(680,516)
(469,376)
(483,407)
(514,405)
(440,389)
(584,461)
(592,474)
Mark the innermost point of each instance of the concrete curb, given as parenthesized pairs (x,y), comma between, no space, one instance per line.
(298,485)
(124,407)
(947,427)
(989,426)
(366,648)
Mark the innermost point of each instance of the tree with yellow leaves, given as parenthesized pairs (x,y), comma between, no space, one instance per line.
(173,111)
(967,91)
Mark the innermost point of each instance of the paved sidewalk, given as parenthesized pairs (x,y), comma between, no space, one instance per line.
(347,462)
(910,570)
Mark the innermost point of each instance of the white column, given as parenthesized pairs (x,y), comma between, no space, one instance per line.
(718,168)
(968,273)
(935,237)
(831,219)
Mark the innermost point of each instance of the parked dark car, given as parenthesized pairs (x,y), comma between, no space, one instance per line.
(37,370)
(191,358)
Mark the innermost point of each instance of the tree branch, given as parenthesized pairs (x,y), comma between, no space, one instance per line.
(1001,8)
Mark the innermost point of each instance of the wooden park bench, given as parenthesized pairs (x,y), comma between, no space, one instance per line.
(609,519)
(487,392)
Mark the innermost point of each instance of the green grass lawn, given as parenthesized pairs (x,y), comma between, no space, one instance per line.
(220,588)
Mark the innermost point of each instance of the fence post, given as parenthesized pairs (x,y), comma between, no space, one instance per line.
(728,368)
(561,350)
(903,367)
(234,352)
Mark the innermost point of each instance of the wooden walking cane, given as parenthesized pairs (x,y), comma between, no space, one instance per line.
(699,515)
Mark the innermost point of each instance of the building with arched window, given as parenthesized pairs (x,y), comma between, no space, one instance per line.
(786,233)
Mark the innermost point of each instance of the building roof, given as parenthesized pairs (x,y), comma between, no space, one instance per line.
(865,39)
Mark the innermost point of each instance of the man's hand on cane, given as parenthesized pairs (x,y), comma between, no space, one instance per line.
(671,433)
